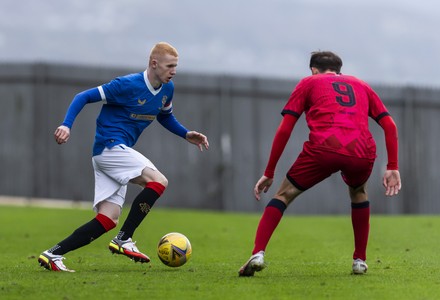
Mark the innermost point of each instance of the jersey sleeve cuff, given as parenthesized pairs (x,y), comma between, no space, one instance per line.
(269,173)
(67,125)
(392,166)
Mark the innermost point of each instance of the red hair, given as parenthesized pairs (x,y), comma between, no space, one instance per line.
(161,49)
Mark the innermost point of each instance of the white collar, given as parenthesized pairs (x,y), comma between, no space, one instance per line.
(150,87)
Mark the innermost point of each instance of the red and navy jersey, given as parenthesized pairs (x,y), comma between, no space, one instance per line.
(337,108)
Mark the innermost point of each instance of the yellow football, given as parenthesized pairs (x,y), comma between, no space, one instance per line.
(174,249)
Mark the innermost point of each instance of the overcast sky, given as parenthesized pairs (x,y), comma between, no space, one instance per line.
(393,42)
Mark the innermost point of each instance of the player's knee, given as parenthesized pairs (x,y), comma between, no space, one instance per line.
(115,222)
(163,181)
(359,194)
(107,222)
(151,176)
(113,218)
(158,187)
(287,193)
(109,213)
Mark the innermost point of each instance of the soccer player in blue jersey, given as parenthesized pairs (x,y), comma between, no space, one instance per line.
(130,104)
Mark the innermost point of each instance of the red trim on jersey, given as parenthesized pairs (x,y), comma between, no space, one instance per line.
(155,186)
(105,221)
(391,141)
(279,143)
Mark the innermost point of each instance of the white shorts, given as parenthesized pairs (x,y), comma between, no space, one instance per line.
(114,168)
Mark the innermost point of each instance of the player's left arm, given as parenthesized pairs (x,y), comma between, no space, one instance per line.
(198,139)
(169,121)
(280,140)
(279,143)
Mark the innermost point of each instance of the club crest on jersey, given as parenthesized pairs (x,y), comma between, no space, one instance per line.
(164,100)
(142,102)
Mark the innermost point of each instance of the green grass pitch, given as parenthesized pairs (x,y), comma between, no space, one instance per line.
(309,257)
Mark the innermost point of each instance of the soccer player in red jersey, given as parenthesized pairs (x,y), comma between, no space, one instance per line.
(337,108)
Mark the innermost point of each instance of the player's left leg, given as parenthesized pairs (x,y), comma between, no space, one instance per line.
(114,169)
(154,184)
(268,223)
(306,171)
(273,213)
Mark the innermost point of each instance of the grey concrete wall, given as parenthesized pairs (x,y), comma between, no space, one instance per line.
(240,116)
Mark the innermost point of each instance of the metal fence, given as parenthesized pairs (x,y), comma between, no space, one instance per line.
(238,114)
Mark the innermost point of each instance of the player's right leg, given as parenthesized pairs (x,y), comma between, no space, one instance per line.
(360,218)
(52,262)
(359,266)
(356,173)
(52,259)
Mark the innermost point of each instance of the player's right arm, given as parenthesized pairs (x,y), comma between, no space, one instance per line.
(391,178)
(377,110)
(62,133)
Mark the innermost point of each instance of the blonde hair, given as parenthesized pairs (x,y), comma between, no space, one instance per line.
(161,49)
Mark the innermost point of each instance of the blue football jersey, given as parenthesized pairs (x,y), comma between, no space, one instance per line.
(130,105)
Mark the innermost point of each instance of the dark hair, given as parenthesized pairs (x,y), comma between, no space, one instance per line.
(326,60)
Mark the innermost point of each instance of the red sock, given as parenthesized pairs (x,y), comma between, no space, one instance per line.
(268,223)
(106,222)
(155,186)
(360,219)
